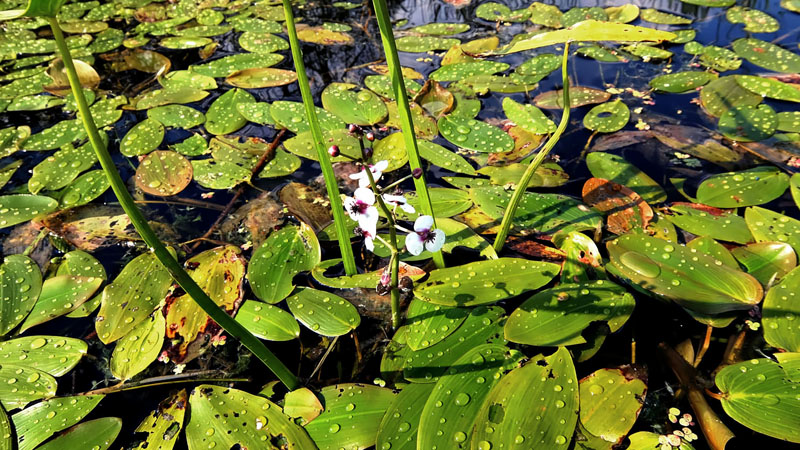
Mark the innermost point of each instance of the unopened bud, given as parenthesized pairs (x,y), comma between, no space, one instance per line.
(367,153)
(416,173)
(333,150)
(354,129)
(370,136)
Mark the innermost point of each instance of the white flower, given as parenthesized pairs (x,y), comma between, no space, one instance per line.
(376,169)
(369,236)
(399,200)
(424,236)
(360,208)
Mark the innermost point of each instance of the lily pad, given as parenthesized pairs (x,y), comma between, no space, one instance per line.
(754,20)
(660,17)
(680,82)
(322,312)
(142,139)
(22,385)
(37,423)
(748,123)
(708,221)
(745,188)
(618,170)
(292,116)
(398,428)
(51,354)
(223,115)
(283,255)
(163,173)
(177,116)
(780,311)
(767,55)
(527,116)
(607,117)
(722,94)
(134,352)
(227,65)
(578,96)
(474,134)
(261,77)
(458,71)
(768,87)
(267,321)
(611,389)
(163,425)
(420,44)
(60,295)
(361,107)
(770,226)
(766,261)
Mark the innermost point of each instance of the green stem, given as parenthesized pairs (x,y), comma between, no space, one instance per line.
(342,233)
(522,186)
(394,262)
(139,222)
(404,110)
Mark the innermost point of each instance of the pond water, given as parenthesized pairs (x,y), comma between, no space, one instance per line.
(672,141)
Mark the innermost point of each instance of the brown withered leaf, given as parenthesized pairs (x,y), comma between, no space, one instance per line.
(699,143)
(307,204)
(91,227)
(525,143)
(435,99)
(620,139)
(535,249)
(625,209)
(259,216)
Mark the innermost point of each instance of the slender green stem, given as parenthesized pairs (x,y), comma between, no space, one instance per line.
(342,233)
(139,222)
(403,108)
(394,262)
(522,186)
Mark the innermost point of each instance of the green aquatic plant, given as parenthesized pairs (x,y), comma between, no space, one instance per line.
(48,10)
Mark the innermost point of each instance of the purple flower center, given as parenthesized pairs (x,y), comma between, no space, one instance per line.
(359,207)
(426,235)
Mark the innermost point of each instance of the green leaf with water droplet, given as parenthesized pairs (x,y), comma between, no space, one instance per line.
(750,187)
(766,261)
(262,43)
(85,188)
(691,278)
(458,71)
(770,226)
(52,354)
(659,17)
(579,14)
(762,395)
(544,14)
(62,133)
(607,117)
(282,164)
(578,96)
(617,390)
(680,82)
(229,64)
(748,123)
(527,116)
(61,168)
(37,423)
(322,312)
(267,321)
(429,323)
(142,139)
(292,116)
(359,107)
(768,87)
(176,116)
(754,20)
(352,415)
(163,426)
(398,429)
(444,158)
(258,112)
(223,115)
(261,77)
(284,254)
(60,295)
(474,134)
(137,349)
(558,316)
(131,297)
(724,93)
(447,419)
(20,285)
(168,96)
(420,44)
(20,385)
(615,168)
(97,434)
(712,222)
(767,55)
(645,440)
(506,419)
(484,282)
(599,53)
(623,13)
(779,313)
(544,214)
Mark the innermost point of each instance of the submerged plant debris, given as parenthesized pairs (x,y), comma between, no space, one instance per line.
(646,297)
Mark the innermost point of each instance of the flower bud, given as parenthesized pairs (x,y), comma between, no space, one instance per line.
(370,136)
(354,129)
(333,150)
(367,153)
(416,173)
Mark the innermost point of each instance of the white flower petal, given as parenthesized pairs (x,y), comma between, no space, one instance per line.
(408,208)
(348,204)
(369,220)
(380,166)
(365,195)
(414,244)
(396,199)
(438,241)
(359,175)
(423,223)
(368,242)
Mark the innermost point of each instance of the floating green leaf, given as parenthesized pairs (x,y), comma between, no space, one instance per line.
(474,134)
(429,323)
(761,394)
(705,221)
(768,87)
(559,316)
(607,117)
(767,55)
(267,321)
(398,429)
(85,188)
(617,169)
(351,418)
(278,259)
(20,385)
(692,279)
(755,21)
(744,188)
(578,96)
(497,12)
(610,389)
(37,423)
(656,16)
(419,44)
(291,116)
(16,209)
(163,173)
(223,116)
(359,107)
(680,82)
(484,282)
(134,352)
(447,419)
(20,285)
(506,418)
(259,112)
(164,425)
(779,313)
(748,123)
(769,226)
(143,138)
(52,354)
(766,261)
(263,43)
(322,312)
(261,77)
(96,434)
(527,116)
(177,116)
(60,295)
(227,65)
(131,297)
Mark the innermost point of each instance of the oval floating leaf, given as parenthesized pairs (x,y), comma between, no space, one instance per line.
(779,313)
(611,389)
(16,209)
(267,321)
(358,107)
(223,115)
(278,259)
(607,117)
(134,352)
(20,285)
(745,188)
(96,434)
(474,134)
(37,423)
(142,139)
(55,355)
(163,173)
(322,312)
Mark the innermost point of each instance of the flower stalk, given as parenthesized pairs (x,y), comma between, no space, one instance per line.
(404,110)
(342,233)
(139,222)
(522,186)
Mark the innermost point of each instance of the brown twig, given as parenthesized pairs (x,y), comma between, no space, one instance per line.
(189,377)
(182,202)
(268,154)
(704,346)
